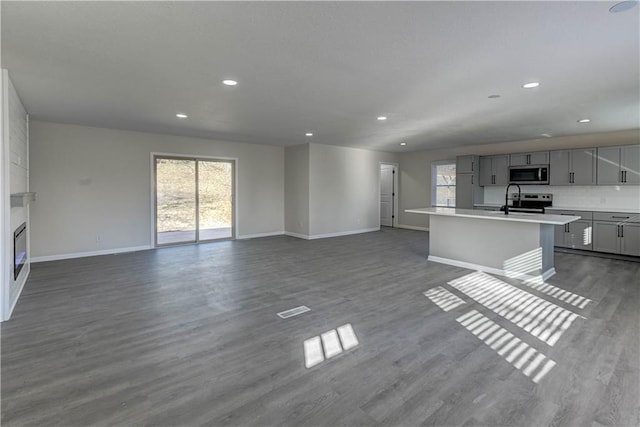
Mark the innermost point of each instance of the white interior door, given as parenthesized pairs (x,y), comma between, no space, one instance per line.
(386,194)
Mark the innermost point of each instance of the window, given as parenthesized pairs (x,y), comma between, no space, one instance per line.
(443,183)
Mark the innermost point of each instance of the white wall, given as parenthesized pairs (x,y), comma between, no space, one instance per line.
(296,190)
(344,189)
(96,181)
(415,172)
(15,179)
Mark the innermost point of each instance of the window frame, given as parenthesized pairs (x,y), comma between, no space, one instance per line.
(434,182)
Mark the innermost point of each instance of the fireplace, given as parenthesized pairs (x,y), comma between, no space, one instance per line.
(19,249)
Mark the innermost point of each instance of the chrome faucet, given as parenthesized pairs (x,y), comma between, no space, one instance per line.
(506,198)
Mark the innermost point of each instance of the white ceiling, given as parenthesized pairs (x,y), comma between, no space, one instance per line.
(330,68)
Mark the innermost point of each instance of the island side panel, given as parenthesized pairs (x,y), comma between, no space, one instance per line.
(546,243)
(508,248)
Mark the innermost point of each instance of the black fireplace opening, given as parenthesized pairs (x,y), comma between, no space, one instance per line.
(19,249)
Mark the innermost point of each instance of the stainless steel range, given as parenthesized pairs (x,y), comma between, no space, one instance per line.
(531,202)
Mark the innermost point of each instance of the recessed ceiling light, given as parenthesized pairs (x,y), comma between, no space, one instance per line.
(530,85)
(584,120)
(229,82)
(308,134)
(622,6)
(381,118)
(403,143)
(181,116)
(493,96)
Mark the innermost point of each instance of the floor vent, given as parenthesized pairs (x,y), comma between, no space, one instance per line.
(294,311)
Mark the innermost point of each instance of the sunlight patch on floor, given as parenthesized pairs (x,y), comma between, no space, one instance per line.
(518,353)
(541,318)
(443,298)
(328,345)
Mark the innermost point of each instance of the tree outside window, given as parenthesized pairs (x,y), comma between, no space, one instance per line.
(443,183)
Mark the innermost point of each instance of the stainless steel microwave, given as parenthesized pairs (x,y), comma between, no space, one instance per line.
(532,174)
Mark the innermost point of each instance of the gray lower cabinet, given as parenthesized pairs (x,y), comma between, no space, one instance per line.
(630,241)
(616,233)
(611,232)
(576,235)
(606,237)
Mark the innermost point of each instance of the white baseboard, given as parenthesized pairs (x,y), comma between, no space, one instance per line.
(328,235)
(27,270)
(256,235)
(91,253)
(412,227)
(298,235)
(343,233)
(471,266)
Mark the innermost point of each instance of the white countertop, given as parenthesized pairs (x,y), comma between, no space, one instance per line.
(497,216)
(600,209)
(569,208)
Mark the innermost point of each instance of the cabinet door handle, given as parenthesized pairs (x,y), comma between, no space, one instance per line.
(622,231)
(619,217)
(625,176)
(472,166)
(566,228)
(528,159)
(621,176)
(471,179)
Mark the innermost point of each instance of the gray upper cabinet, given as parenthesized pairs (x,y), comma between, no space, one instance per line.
(573,167)
(619,165)
(466,164)
(523,159)
(494,170)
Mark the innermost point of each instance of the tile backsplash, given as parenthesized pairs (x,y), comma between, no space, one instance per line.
(601,196)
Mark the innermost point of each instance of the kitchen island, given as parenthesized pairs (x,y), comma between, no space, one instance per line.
(518,245)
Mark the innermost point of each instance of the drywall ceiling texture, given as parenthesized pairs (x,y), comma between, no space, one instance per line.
(97,182)
(330,68)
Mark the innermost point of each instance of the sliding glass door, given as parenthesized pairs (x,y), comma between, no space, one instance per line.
(193,200)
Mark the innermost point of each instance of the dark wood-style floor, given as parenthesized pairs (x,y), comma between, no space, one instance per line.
(189,336)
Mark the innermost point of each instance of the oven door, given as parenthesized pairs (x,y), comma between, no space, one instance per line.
(529,175)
